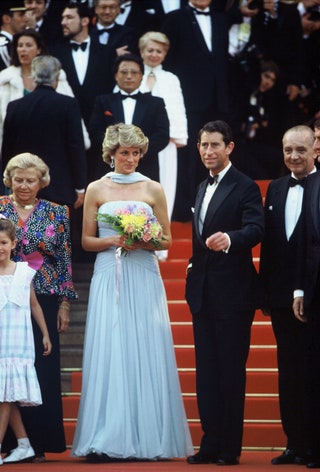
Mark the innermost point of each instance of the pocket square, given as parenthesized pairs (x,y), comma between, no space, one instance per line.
(108,113)
(192,210)
(270,207)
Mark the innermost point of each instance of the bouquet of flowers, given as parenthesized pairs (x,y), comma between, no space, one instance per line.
(136,224)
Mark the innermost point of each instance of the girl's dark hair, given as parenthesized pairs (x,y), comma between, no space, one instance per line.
(32,34)
(8,227)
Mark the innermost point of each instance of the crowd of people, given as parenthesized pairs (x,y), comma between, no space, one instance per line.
(254,64)
(128,84)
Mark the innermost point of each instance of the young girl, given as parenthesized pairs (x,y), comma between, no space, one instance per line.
(18,378)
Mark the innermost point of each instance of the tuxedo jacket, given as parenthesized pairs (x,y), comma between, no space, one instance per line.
(308,254)
(203,73)
(144,15)
(278,254)
(98,78)
(119,36)
(48,124)
(150,115)
(229,280)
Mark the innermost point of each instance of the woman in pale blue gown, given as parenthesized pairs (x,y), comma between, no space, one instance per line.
(131,405)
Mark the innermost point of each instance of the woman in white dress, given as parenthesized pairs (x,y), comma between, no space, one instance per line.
(131,405)
(153,47)
(16,80)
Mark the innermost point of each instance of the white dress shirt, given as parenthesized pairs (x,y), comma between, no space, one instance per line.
(129,105)
(204,22)
(81,59)
(208,195)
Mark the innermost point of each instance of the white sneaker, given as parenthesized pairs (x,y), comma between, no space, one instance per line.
(19,454)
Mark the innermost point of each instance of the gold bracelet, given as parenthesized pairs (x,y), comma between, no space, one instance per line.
(64,306)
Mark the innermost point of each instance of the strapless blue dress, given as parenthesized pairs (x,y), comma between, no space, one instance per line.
(131,404)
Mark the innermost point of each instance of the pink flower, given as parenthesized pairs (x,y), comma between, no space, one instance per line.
(50,231)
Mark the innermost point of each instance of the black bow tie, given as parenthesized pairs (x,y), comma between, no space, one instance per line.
(293,182)
(134,96)
(198,12)
(105,30)
(76,46)
(213,180)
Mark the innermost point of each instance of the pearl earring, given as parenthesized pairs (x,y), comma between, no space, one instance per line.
(112,162)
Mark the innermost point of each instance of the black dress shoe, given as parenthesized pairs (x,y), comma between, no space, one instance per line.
(288,457)
(228,461)
(97,457)
(201,458)
(313,464)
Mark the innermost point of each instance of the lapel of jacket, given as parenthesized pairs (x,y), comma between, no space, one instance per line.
(315,206)
(197,208)
(117,107)
(279,205)
(197,31)
(69,66)
(140,109)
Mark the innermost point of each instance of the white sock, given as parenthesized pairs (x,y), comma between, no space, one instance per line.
(24,443)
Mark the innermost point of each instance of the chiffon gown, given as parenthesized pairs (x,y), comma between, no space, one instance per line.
(131,405)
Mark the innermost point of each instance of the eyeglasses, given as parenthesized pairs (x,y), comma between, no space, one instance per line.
(108,8)
(129,71)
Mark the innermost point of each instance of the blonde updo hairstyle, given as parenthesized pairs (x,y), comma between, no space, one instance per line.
(125,136)
(25,161)
(155,36)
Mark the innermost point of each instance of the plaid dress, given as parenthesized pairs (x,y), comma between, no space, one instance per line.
(18,378)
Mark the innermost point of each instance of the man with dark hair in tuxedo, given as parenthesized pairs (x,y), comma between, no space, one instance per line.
(128,105)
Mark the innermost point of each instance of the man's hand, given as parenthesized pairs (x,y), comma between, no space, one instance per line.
(298,309)
(79,201)
(218,242)
(292,92)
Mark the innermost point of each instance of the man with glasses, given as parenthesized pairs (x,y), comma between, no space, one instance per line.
(128,105)
(108,31)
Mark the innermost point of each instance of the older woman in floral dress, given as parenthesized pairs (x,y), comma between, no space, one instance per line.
(43,235)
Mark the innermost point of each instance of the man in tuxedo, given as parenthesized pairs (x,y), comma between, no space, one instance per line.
(48,124)
(130,106)
(44,16)
(222,293)
(12,20)
(283,220)
(107,31)
(198,35)
(306,303)
(86,63)
(141,16)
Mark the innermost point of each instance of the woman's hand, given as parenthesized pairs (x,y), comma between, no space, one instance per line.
(63,316)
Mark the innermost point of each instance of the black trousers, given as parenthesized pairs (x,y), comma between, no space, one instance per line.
(293,353)
(221,346)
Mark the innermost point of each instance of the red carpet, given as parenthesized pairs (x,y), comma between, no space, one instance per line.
(250,461)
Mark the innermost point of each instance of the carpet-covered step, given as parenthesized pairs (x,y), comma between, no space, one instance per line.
(267,434)
(259,357)
(258,381)
(261,333)
(262,408)
(179,311)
